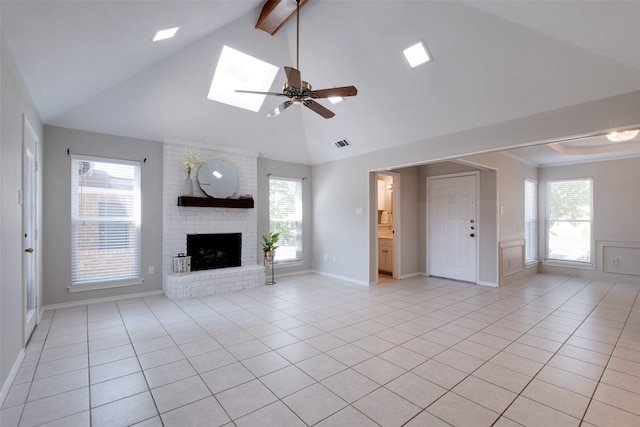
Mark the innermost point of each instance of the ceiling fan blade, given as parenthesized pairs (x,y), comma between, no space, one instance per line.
(260,93)
(336,91)
(313,105)
(279,109)
(293,77)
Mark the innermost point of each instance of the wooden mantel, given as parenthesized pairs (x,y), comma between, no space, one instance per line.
(211,202)
(275,13)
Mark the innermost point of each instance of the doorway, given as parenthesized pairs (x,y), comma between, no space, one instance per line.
(388,225)
(452,226)
(29,230)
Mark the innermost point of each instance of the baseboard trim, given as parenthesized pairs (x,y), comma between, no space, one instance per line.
(101,300)
(408,276)
(12,376)
(292,273)
(335,276)
(490,284)
(589,274)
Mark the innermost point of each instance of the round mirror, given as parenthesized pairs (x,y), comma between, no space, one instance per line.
(218,179)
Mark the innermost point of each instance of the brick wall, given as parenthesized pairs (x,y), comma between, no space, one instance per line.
(181,220)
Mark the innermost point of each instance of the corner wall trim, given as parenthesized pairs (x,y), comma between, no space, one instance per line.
(619,257)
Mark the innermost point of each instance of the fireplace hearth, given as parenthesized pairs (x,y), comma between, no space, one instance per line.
(211,251)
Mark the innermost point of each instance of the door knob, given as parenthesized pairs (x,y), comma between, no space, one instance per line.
(472,235)
(29,250)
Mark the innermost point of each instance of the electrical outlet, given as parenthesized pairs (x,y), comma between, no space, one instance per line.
(151,269)
(325,257)
(614,262)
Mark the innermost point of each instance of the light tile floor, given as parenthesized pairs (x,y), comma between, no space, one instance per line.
(311,350)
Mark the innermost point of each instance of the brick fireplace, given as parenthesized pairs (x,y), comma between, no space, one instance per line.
(180,221)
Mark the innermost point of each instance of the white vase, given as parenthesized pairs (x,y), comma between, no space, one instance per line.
(187,187)
(270,255)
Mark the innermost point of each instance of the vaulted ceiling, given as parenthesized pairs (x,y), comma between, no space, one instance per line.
(91,65)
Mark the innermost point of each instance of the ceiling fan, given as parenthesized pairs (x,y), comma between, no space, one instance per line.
(299,91)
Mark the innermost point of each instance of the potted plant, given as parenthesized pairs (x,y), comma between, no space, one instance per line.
(269,245)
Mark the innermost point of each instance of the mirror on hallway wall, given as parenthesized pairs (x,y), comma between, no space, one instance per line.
(385,199)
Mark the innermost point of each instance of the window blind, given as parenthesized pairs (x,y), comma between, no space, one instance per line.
(285,216)
(569,207)
(530,221)
(105,217)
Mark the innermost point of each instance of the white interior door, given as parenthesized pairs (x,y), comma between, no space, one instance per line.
(453,227)
(29,220)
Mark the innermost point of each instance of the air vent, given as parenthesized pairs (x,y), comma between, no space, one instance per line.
(342,143)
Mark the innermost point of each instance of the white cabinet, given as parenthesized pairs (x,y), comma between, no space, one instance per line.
(385,255)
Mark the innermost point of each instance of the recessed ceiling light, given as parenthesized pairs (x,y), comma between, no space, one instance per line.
(622,136)
(165,34)
(238,71)
(417,54)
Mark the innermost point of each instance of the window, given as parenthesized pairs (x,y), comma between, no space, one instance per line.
(530,221)
(238,71)
(285,217)
(569,207)
(105,216)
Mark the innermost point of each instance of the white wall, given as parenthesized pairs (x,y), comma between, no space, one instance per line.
(56,233)
(342,187)
(15,105)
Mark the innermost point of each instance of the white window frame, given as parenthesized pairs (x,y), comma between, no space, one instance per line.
(98,194)
(549,222)
(530,221)
(286,252)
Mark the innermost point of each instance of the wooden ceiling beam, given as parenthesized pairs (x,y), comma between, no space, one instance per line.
(275,13)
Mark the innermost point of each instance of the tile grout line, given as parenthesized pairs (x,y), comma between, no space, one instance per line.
(609,360)
(556,352)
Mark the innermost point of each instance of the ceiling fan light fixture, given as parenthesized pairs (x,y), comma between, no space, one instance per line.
(298,91)
(417,54)
(167,33)
(624,135)
(335,99)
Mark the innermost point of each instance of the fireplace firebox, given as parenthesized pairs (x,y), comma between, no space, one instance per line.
(210,251)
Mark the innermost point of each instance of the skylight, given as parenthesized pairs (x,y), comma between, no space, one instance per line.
(417,54)
(165,34)
(239,71)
